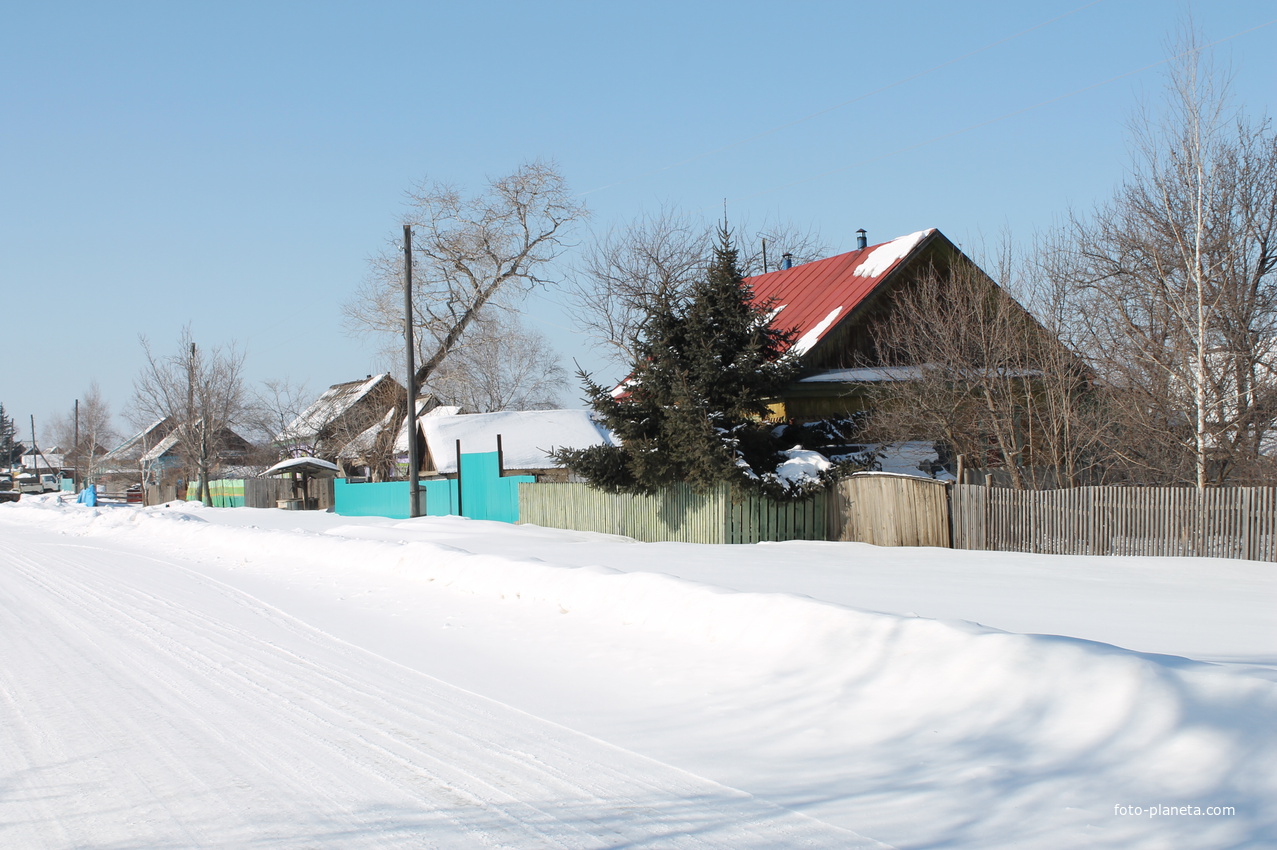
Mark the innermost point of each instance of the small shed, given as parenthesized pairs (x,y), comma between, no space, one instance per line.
(527,439)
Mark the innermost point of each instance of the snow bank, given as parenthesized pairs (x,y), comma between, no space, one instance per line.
(915,731)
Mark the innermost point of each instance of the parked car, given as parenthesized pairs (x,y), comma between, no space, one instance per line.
(7,491)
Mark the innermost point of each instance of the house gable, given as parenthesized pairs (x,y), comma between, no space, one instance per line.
(820,301)
(833,305)
(341,414)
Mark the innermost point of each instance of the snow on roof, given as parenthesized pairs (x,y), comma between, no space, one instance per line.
(162,447)
(133,448)
(47,460)
(527,436)
(807,340)
(883,257)
(305,462)
(401,436)
(367,439)
(334,402)
(866,375)
(815,297)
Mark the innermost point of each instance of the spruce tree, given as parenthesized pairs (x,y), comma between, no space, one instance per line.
(692,409)
(9,446)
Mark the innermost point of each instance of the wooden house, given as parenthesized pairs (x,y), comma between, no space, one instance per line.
(122,465)
(833,305)
(339,416)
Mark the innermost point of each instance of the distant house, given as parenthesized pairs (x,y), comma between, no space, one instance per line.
(832,304)
(164,462)
(153,456)
(47,460)
(526,439)
(339,416)
(123,464)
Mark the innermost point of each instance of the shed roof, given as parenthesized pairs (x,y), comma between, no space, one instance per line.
(527,436)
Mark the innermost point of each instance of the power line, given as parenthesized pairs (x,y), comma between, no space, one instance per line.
(845,103)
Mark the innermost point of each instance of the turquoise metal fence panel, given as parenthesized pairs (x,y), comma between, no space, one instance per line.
(481,493)
(440,496)
(388,499)
(485,494)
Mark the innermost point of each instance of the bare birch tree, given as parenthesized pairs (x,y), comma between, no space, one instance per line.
(1177,286)
(87,439)
(202,392)
(470,255)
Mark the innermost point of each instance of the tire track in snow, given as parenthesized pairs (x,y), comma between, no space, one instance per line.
(361,752)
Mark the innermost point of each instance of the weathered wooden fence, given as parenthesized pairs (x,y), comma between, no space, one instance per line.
(1226,522)
(248,492)
(676,514)
(890,510)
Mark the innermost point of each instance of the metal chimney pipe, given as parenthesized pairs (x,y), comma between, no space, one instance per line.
(862,239)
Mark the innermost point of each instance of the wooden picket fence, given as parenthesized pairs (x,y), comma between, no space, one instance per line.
(1225,522)
(676,513)
(248,492)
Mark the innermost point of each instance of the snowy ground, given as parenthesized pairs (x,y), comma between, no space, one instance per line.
(184,677)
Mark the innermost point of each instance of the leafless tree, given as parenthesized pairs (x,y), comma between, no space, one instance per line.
(967,363)
(502,365)
(88,439)
(268,411)
(470,254)
(772,240)
(625,272)
(270,408)
(1176,282)
(201,391)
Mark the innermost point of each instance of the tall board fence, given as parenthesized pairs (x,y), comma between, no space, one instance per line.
(1226,522)
(677,513)
(890,510)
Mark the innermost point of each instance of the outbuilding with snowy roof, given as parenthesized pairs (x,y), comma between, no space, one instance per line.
(526,439)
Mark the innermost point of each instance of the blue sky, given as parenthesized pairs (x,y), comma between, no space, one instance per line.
(233,165)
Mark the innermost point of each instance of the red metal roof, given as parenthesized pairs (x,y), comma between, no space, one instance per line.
(815,297)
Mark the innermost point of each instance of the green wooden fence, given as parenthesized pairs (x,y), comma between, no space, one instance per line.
(675,514)
(250,492)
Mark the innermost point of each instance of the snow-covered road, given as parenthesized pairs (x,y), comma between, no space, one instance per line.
(146,704)
(178,676)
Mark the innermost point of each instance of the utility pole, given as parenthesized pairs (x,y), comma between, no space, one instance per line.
(77,446)
(35,452)
(414,484)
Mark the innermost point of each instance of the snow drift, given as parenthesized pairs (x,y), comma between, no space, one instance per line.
(914,731)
